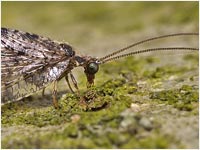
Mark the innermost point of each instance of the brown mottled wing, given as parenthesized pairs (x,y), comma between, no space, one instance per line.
(30,62)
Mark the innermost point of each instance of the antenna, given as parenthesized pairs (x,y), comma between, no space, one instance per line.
(103,59)
(151,50)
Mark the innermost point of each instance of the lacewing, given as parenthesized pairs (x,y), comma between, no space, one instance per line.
(29,62)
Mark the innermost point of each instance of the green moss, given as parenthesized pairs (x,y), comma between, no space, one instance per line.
(163,72)
(102,117)
(194,58)
(158,142)
(185,98)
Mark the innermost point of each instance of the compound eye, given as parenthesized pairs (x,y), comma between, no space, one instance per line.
(92,68)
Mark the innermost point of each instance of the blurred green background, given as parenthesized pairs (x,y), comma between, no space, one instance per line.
(97,25)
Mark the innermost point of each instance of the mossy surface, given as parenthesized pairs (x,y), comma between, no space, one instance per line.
(146,101)
(120,112)
(185,98)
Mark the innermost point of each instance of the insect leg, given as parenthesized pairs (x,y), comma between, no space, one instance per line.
(67,79)
(74,81)
(55,102)
(82,100)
